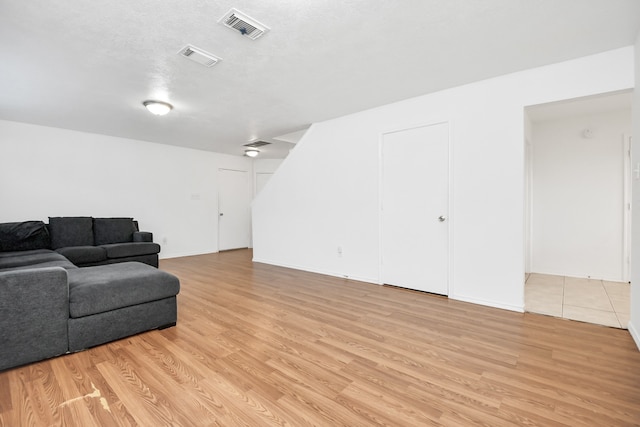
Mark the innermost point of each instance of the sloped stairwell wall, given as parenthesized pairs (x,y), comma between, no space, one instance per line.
(325,195)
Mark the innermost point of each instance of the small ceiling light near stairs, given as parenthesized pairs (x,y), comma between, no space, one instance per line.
(158,108)
(251,152)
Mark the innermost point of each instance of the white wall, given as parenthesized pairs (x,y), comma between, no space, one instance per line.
(171,191)
(263,169)
(634,323)
(326,194)
(578,196)
(266,165)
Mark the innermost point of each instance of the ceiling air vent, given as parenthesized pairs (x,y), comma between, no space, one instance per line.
(246,25)
(257,144)
(200,56)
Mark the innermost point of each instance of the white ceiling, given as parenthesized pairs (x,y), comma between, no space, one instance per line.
(88,65)
(588,105)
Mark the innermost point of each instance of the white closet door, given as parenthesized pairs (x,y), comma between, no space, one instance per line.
(233,209)
(415,189)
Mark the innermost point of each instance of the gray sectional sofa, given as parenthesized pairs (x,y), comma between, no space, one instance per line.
(61,291)
(87,241)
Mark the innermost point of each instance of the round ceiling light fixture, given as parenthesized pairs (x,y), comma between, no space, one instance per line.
(251,152)
(158,108)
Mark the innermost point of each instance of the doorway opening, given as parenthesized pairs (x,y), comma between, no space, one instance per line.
(577,208)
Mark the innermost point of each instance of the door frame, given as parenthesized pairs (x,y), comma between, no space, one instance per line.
(450,196)
(528,205)
(627,200)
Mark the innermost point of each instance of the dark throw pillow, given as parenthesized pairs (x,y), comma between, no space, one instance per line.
(71,231)
(113,230)
(24,236)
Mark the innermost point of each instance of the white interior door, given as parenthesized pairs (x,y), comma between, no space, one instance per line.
(415,193)
(233,209)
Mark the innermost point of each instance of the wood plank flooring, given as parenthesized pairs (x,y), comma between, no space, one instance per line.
(259,345)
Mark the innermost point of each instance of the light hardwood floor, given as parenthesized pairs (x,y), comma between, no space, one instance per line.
(261,345)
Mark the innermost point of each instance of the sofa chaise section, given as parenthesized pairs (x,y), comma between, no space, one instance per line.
(109,302)
(34,307)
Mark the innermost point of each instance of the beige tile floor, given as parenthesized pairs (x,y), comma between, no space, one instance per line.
(586,300)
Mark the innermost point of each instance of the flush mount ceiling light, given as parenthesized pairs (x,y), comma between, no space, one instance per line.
(251,152)
(158,108)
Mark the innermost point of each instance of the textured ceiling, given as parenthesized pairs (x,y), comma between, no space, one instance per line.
(88,65)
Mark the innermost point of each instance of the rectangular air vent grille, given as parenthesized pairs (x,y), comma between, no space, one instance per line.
(200,56)
(257,144)
(244,24)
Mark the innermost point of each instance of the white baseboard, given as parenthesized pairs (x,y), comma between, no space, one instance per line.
(634,334)
(494,304)
(377,282)
(555,273)
(318,271)
(184,254)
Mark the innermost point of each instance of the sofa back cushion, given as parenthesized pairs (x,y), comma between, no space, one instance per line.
(24,236)
(113,230)
(71,231)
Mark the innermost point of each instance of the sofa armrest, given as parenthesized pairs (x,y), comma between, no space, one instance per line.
(34,311)
(142,236)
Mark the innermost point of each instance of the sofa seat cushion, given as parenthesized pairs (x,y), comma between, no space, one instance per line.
(34,259)
(22,253)
(123,250)
(104,288)
(64,263)
(83,254)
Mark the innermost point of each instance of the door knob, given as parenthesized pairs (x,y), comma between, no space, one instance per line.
(442,218)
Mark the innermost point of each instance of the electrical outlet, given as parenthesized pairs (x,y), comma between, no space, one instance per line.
(339,251)
(164,240)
